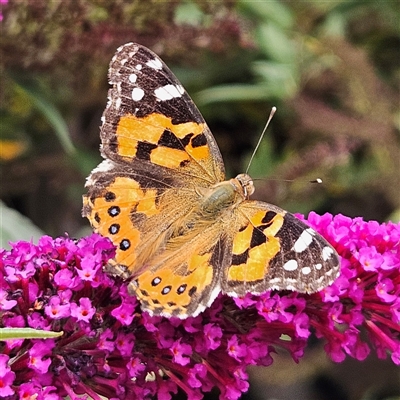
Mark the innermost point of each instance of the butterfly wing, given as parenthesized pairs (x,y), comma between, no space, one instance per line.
(185,278)
(157,149)
(272,249)
(150,120)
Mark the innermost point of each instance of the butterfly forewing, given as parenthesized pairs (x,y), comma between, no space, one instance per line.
(151,120)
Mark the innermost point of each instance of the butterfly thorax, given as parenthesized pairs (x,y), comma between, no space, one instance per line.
(224,195)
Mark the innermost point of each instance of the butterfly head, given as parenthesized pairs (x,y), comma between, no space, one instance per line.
(246,184)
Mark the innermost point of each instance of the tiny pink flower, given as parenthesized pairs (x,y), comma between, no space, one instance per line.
(85,310)
(39,359)
(56,310)
(124,313)
(180,352)
(7,377)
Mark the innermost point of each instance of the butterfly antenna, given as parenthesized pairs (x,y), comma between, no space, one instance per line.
(271,114)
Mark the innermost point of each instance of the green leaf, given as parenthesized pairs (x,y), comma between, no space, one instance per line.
(269,10)
(50,112)
(264,161)
(14,226)
(189,14)
(235,92)
(275,44)
(281,78)
(27,333)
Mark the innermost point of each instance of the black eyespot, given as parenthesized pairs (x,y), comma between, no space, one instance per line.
(97,218)
(192,291)
(166,290)
(109,196)
(181,288)
(114,211)
(156,281)
(114,229)
(125,244)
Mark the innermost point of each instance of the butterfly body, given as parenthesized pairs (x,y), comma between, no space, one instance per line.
(183,232)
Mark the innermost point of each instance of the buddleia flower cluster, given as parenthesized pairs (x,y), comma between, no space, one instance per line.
(110,348)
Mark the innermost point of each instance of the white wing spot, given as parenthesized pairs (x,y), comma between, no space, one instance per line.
(104,166)
(132,78)
(327,253)
(139,67)
(290,265)
(305,270)
(167,92)
(274,281)
(318,266)
(304,240)
(137,94)
(155,64)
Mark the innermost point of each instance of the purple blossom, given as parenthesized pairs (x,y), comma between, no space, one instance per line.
(39,359)
(111,349)
(181,352)
(7,377)
(83,312)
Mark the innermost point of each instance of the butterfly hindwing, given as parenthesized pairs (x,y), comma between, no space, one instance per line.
(275,250)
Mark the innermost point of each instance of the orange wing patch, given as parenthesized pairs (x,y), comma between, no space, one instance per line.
(110,215)
(176,291)
(156,139)
(254,246)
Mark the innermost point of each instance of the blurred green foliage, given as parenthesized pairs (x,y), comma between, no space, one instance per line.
(331,68)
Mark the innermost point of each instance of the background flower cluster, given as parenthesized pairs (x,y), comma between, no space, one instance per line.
(110,348)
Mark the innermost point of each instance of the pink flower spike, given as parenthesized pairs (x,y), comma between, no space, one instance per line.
(110,346)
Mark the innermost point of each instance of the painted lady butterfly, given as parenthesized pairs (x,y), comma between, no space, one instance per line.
(183,233)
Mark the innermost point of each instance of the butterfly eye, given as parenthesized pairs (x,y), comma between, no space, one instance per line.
(247,184)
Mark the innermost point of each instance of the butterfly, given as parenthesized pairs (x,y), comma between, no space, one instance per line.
(183,233)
